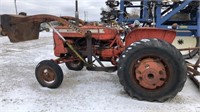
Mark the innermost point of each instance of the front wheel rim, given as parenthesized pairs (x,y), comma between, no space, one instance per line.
(48,75)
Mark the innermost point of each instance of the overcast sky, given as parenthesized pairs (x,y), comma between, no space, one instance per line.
(54,7)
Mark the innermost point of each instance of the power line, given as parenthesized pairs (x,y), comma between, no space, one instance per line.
(85,16)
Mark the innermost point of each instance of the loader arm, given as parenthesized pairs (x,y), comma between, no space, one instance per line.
(23,28)
(73,18)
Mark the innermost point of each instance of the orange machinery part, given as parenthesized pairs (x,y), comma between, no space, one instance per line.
(99,33)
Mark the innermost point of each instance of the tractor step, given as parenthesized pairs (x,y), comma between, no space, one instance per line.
(106,69)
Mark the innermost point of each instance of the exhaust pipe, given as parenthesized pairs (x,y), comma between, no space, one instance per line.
(0,26)
(0,30)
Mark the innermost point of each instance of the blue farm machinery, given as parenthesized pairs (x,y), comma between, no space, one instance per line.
(184,16)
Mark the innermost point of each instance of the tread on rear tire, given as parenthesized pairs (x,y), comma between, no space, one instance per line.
(142,80)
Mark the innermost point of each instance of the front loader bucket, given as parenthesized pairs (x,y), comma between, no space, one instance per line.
(21,28)
(18,31)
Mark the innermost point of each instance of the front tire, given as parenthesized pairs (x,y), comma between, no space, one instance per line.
(49,74)
(76,65)
(152,70)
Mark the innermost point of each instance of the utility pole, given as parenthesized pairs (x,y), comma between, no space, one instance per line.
(85,15)
(15,2)
(77,13)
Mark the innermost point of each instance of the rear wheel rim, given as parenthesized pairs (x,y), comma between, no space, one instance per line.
(150,73)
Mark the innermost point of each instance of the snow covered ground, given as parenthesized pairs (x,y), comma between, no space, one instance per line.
(83,91)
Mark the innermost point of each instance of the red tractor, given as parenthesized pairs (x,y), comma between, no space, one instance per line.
(148,66)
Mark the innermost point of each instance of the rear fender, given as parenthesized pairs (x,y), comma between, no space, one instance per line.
(145,33)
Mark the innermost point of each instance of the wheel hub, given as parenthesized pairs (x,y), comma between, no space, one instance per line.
(150,73)
(48,75)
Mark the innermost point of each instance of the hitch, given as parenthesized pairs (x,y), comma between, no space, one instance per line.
(193,72)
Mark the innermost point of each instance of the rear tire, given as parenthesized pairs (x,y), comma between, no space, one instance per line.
(152,70)
(49,74)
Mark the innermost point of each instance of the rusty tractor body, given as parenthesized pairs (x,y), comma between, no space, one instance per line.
(106,42)
(148,66)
